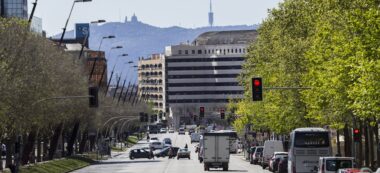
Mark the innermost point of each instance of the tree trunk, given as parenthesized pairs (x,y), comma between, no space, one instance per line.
(338,142)
(347,142)
(45,149)
(70,144)
(54,141)
(39,141)
(83,142)
(371,147)
(360,150)
(366,144)
(10,150)
(28,147)
(63,135)
(376,130)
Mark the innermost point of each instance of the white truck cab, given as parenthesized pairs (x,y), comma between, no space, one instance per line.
(333,164)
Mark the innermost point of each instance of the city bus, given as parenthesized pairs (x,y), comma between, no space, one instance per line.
(233,140)
(306,146)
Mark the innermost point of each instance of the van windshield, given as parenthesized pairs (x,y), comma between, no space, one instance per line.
(334,165)
(311,139)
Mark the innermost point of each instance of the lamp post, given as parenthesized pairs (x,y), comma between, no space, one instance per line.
(67,21)
(113,69)
(100,45)
(105,68)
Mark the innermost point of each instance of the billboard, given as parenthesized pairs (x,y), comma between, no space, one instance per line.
(82,30)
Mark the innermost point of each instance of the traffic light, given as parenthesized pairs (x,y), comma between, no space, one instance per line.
(201,112)
(222,116)
(257,89)
(93,100)
(357,135)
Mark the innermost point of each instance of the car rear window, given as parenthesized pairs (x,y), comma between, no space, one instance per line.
(259,150)
(334,165)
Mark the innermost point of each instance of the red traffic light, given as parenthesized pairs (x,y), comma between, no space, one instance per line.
(256,82)
(356,131)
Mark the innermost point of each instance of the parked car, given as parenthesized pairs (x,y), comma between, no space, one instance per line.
(171,130)
(183,153)
(270,147)
(273,162)
(191,131)
(181,131)
(139,153)
(333,164)
(250,154)
(165,152)
(282,165)
(156,145)
(163,130)
(257,154)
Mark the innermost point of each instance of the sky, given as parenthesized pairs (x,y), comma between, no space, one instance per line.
(161,13)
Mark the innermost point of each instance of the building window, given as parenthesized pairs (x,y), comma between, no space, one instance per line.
(239,50)
(199,51)
(180,52)
(186,52)
(192,51)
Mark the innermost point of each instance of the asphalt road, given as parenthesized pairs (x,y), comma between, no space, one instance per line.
(122,164)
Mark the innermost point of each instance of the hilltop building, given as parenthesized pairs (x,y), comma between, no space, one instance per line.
(204,74)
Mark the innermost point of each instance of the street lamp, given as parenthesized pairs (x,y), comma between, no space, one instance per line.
(67,21)
(100,45)
(113,69)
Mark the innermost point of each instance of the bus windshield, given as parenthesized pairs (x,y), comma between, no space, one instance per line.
(311,139)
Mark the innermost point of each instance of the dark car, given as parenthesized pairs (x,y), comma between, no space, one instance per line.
(139,153)
(165,152)
(283,165)
(257,154)
(183,153)
(250,152)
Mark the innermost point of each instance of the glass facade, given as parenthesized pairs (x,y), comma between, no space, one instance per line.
(16,8)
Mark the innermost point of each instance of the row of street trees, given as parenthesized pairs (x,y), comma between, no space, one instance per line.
(332,46)
(33,68)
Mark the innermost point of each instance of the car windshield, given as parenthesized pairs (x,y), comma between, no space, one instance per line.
(334,165)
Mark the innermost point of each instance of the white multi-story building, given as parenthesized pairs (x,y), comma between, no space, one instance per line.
(204,74)
(151,82)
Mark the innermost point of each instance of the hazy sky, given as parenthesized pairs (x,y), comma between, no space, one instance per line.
(162,13)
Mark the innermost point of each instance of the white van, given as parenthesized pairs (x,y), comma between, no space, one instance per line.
(269,148)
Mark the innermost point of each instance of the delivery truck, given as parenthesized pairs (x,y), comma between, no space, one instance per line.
(216,150)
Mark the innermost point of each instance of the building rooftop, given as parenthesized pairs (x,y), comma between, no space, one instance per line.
(226,37)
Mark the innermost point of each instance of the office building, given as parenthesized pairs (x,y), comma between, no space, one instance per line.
(14,8)
(151,82)
(204,74)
